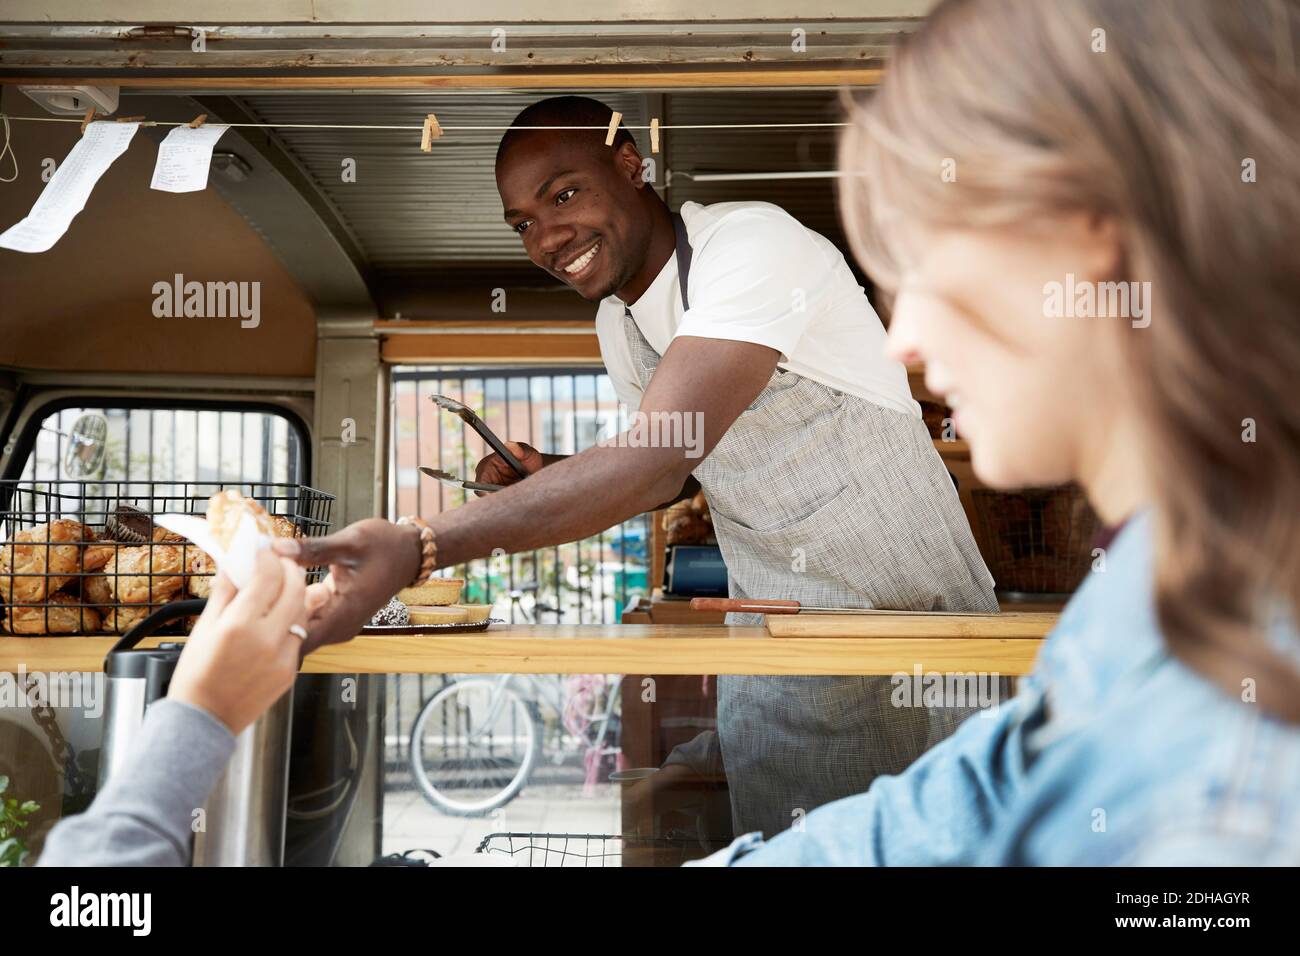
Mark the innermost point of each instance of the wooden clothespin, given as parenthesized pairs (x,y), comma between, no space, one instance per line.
(654,135)
(198,121)
(90,118)
(431,132)
(613,127)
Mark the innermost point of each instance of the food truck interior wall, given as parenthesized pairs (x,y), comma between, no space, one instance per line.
(86,304)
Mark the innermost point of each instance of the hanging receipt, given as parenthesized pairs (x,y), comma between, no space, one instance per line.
(184,157)
(66,193)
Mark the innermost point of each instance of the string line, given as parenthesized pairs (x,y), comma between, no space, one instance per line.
(447,129)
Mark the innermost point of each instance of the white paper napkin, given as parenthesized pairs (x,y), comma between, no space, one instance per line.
(237,560)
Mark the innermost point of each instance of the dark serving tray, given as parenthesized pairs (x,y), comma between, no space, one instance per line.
(394,630)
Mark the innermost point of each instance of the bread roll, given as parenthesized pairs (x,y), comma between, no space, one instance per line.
(122,617)
(45,558)
(147,574)
(95,590)
(63,614)
(199,568)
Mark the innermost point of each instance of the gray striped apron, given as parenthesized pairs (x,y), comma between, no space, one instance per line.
(825,498)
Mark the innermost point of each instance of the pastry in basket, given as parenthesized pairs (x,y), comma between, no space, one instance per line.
(150,573)
(688,522)
(435,592)
(93,590)
(45,558)
(282,527)
(63,614)
(200,568)
(122,617)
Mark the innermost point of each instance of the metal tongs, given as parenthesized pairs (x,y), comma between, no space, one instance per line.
(466,414)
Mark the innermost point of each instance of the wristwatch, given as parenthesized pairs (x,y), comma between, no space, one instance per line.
(428,549)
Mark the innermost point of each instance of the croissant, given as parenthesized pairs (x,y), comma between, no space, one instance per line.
(282,527)
(45,558)
(122,617)
(93,590)
(63,614)
(146,574)
(200,567)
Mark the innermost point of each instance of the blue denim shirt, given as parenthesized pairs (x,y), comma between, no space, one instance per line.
(1112,753)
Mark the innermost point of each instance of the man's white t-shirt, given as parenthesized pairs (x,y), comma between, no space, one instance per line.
(759,275)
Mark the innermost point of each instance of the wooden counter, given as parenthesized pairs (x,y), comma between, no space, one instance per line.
(600,649)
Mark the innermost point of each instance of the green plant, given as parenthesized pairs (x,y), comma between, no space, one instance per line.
(13,850)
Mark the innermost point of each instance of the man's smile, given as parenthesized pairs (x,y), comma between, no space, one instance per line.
(581,264)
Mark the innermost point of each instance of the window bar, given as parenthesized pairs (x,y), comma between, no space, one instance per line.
(419,451)
(487,562)
(58,450)
(505,436)
(266,453)
(622,527)
(559,603)
(597,570)
(537,577)
(464,457)
(397,707)
(438,418)
(573,392)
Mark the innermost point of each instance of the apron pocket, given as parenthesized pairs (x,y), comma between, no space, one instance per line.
(794,526)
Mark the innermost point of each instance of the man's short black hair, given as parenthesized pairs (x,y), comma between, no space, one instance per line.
(565,111)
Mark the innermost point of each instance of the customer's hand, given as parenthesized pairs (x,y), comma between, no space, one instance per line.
(241,657)
(493,469)
(369,562)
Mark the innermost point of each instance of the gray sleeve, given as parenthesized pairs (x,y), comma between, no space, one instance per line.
(143,816)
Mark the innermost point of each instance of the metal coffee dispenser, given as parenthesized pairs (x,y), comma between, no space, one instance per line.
(245,814)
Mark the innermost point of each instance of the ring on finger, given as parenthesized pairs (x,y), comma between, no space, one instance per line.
(298,631)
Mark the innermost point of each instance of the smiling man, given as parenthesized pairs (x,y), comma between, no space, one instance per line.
(822,481)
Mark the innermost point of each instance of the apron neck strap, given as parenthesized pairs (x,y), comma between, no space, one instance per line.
(683,257)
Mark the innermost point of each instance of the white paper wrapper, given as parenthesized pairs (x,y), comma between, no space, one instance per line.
(237,560)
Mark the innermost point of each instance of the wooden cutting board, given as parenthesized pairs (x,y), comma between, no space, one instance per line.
(1011,624)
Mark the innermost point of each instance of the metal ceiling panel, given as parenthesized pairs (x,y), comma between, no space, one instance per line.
(812,201)
(411,210)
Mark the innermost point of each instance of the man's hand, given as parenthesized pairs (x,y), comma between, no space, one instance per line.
(369,562)
(493,469)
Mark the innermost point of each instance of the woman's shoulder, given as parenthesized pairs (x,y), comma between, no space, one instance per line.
(1222,781)
(1174,770)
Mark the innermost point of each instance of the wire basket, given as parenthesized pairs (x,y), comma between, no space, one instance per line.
(1038,541)
(555,849)
(589,849)
(84,557)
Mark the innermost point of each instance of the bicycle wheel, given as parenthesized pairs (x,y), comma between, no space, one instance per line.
(473,746)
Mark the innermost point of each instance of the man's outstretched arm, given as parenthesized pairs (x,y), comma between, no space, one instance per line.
(708,381)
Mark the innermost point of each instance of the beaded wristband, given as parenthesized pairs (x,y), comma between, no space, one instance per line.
(428,549)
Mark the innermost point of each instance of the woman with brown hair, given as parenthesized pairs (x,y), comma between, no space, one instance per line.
(1089,212)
